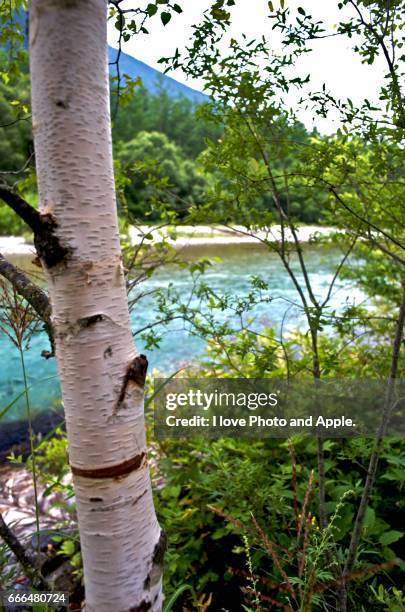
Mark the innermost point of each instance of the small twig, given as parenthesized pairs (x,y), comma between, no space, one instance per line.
(26,164)
(294,481)
(338,270)
(305,504)
(268,545)
(6,125)
(303,551)
(359,217)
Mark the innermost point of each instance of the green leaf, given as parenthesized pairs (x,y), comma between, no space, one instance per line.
(171,491)
(151,9)
(271,7)
(177,8)
(165,17)
(67,548)
(301,10)
(160,387)
(170,603)
(389,537)
(369,518)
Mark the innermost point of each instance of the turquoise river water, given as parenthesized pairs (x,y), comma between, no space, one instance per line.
(178,346)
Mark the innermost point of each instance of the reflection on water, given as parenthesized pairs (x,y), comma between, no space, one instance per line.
(238,265)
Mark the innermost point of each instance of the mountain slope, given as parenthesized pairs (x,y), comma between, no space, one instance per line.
(152,79)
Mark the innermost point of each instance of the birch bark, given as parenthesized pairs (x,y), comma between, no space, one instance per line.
(101,375)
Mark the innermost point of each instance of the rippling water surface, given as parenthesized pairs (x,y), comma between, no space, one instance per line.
(178,346)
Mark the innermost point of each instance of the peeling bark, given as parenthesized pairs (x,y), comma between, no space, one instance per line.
(43,226)
(79,248)
(135,373)
(112,471)
(47,243)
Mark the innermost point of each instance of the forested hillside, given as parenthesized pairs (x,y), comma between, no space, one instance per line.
(161,147)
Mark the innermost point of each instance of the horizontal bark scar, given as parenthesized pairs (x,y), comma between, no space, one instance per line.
(135,373)
(89,321)
(70,3)
(120,504)
(66,329)
(144,606)
(112,471)
(47,243)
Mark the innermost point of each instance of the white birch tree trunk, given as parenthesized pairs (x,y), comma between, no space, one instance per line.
(101,376)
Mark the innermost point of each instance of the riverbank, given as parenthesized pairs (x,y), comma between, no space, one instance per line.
(190,236)
(14,435)
(16,245)
(212,235)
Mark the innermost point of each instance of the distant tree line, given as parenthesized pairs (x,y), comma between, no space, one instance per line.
(162,155)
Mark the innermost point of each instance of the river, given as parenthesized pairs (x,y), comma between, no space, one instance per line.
(238,264)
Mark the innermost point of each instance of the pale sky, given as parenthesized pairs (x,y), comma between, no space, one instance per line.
(332,61)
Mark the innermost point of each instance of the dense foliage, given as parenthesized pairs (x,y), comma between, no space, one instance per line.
(299,524)
(165,149)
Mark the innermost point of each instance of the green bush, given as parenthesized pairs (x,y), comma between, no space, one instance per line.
(10,223)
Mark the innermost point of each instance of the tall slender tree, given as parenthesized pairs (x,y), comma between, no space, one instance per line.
(77,240)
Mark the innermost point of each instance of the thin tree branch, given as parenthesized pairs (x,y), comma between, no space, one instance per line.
(338,270)
(28,564)
(384,249)
(372,468)
(34,295)
(28,213)
(359,217)
(6,125)
(391,67)
(26,164)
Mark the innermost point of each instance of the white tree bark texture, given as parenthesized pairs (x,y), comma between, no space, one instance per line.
(101,375)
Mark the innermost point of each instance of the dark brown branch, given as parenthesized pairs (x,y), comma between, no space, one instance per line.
(122,12)
(135,373)
(49,249)
(25,211)
(27,289)
(6,125)
(23,558)
(359,217)
(284,217)
(34,295)
(384,249)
